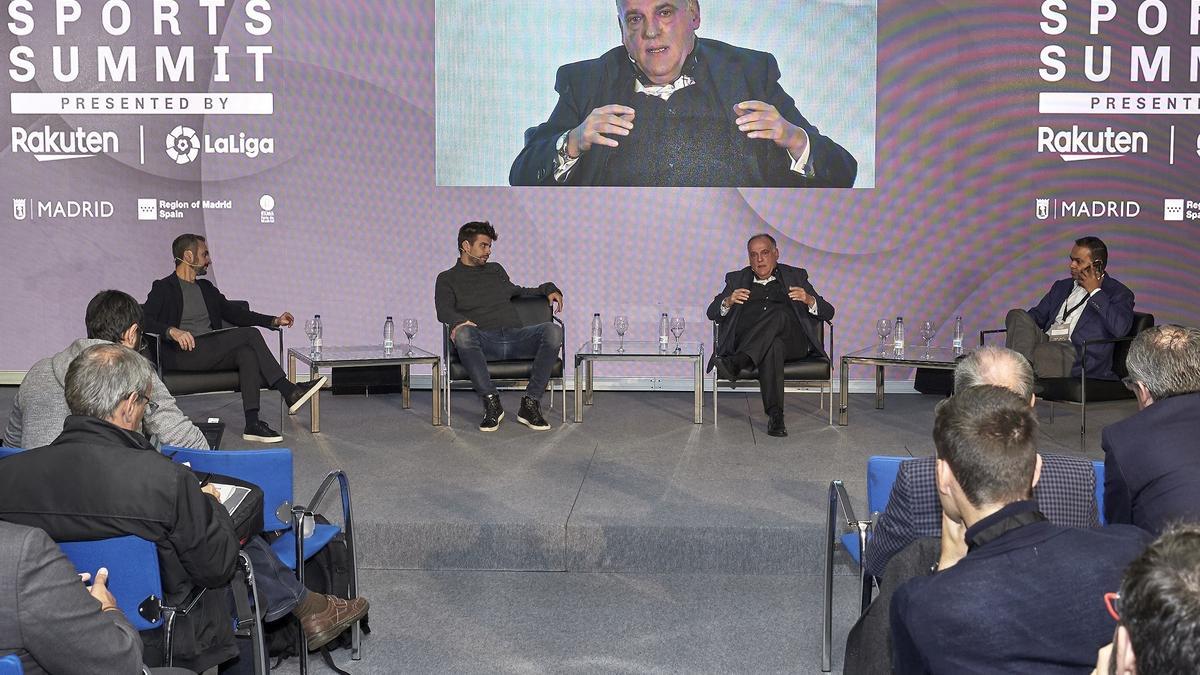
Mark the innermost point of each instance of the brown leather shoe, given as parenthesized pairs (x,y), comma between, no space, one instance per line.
(322,626)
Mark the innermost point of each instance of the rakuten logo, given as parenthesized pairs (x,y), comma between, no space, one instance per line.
(48,145)
(1076,144)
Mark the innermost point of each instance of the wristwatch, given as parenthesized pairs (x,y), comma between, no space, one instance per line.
(561,147)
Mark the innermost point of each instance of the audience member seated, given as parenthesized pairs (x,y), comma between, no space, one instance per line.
(1064,487)
(474,298)
(1152,459)
(108,480)
(53,623)
(1014,592)
(39,407)
(188,313)
(1158,610)
(905,540)
(1090,305)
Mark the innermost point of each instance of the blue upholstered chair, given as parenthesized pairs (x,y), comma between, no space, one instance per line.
(11,665)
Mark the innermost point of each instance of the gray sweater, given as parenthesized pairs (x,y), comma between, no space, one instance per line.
(482,294)
(40,407)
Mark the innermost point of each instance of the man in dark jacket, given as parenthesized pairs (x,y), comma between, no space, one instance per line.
(767,314)
(669,109)
(101,479)
(189,313)
(1090,305)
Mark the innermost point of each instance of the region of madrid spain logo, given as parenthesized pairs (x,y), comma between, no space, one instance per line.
(182,144)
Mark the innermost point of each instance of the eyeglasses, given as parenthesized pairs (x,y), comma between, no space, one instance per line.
(1113,602)
(150,405)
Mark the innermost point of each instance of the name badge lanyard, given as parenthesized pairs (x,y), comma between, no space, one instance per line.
(1069,312)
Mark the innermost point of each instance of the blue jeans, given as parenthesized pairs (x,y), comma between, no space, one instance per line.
(278,588)
(539,342)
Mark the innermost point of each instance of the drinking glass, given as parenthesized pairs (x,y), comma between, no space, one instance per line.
(410,329)
(884,328)
(310,329)
(927,332)
(676,325)
(621,325)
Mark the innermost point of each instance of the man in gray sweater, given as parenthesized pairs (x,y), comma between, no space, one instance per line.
(40,406)
(474,298)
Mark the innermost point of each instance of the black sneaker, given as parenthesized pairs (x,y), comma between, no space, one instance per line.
(493,413)
(725,370)
(303,392)
(530,415)
(775,426)
(259,431)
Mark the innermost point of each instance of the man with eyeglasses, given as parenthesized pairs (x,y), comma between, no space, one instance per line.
(40,407)
(1152,459)
(1012,592)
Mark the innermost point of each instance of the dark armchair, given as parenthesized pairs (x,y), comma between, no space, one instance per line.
(799,375)
(1079,391)
(532,310)
(182,383)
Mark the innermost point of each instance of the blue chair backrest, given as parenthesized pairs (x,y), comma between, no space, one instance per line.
(11,665)
(5,452)
(270,470)
(881,474)
(133,574)
(1098,467)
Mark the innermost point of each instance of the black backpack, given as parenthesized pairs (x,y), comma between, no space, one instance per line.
(326,572)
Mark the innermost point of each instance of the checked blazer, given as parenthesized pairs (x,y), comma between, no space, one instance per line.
(1066,494)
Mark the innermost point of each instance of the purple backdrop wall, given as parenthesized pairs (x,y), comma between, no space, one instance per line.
(360,231)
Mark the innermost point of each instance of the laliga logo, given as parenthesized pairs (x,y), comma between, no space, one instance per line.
(182,145)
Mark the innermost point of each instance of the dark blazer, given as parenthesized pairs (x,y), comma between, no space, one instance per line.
(49,620)
(1028,601)
(108,482)
(738,75)
(1152,464)
(788,276)
(1066,492)
(1107,314)
(164,307)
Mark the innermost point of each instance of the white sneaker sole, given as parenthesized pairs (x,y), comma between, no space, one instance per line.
(263,439)
(312,391)
(531,425)
(498,421)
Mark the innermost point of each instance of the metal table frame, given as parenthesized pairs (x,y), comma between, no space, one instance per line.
(396,359)
(870,356)
(584,366)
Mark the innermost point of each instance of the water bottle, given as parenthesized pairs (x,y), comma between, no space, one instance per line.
(389,332)
(958,336)
(898,335)
(316,341)
(597,329)
(664,327)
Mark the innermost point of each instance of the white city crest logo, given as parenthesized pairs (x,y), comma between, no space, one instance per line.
(182,144)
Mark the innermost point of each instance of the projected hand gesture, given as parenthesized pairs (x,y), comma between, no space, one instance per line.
(762,120)
(609,120)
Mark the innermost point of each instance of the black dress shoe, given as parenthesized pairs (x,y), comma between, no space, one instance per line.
(259,431)
(775,426)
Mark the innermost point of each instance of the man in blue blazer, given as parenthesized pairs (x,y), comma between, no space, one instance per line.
(1152,459)
(1089,305)
(767,314)
(668,109)
(1013,591)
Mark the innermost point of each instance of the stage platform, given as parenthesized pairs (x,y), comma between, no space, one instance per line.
(678,547)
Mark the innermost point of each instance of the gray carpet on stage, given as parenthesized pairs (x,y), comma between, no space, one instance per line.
(686,548)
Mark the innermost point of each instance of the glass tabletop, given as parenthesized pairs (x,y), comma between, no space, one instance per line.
(639,348)
(910,355)
(400,353)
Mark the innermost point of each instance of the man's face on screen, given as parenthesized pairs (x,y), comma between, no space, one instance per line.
(659,35)
(479,250)
(763,257)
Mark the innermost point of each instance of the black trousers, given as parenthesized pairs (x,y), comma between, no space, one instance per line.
(242,349)
(769,336)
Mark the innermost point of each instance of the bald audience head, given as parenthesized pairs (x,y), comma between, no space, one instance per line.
(997,366)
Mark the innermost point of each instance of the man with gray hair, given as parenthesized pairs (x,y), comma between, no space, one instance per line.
(101,478)
(1152,459)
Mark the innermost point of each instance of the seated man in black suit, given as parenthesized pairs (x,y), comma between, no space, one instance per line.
(1152,459)
(768,313)
(1090,305)
(1158,610)
(190,311)
(707,114)
(1013,592)
(474,298)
